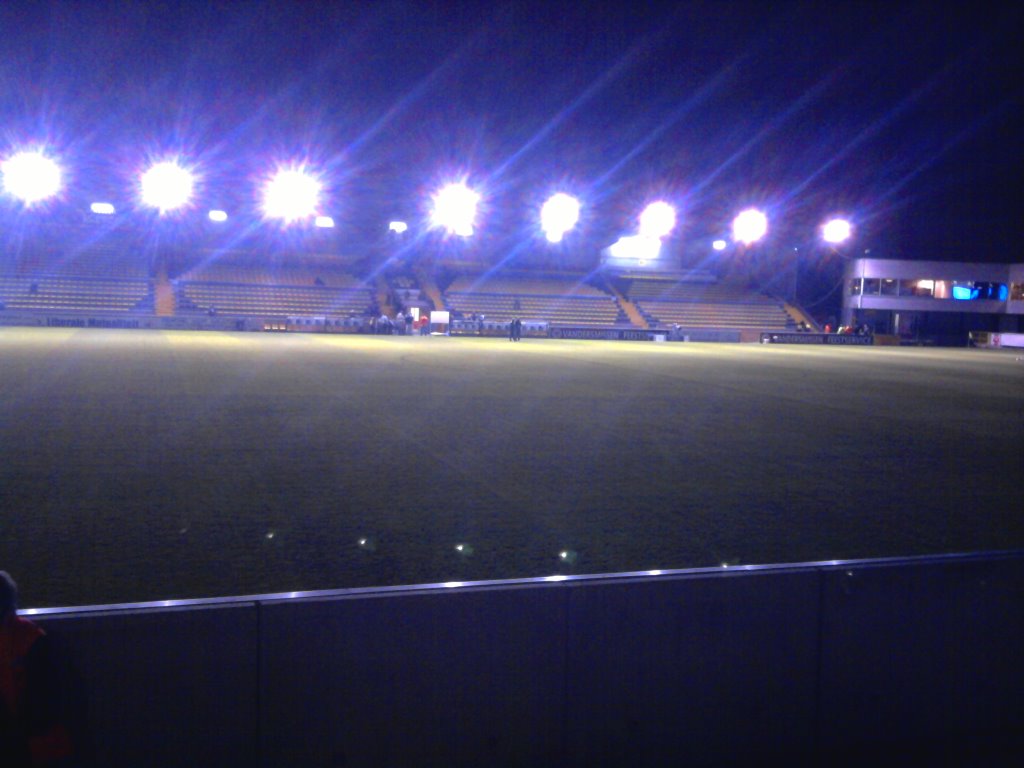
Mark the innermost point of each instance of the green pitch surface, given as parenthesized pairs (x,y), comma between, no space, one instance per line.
(140,465)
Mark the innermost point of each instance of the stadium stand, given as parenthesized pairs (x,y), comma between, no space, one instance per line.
(112,277)
(95,280)
(249,290)
(559,301)
(707,305)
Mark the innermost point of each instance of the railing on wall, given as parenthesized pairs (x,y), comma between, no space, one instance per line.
(846,662)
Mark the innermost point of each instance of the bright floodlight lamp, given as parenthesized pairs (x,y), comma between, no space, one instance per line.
(291,195)
(398,227)
(31,177)
(559,214)
(749,227)
(103,209)
(324,222)
(657,220)
(719,245)
(166,186)
(836,231)
(218,215)
(455,209)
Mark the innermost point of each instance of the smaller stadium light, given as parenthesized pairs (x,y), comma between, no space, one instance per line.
(291,195)
(31,177)
(166,186)
(103,209)
(636,247)
(324,222)
(559,214)
(218,216)
(398,227)
(455,209)
(657,220)
(836,231)
(749,226)
(719,245)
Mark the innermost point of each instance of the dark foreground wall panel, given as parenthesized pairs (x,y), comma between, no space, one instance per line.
(440,678)
(171,687)
(924,661)
(861,663)
(709,670)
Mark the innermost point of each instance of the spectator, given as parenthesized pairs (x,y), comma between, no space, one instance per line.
(30,732)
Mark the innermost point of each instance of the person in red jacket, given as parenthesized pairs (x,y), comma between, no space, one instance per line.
(30,733)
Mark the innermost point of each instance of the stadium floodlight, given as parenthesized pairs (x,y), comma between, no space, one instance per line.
(218,215)
(455,209)
(31,177)
(166,186)
(290,195)
(103,209)
(719,245)
(398,227)
(749,226)
(637,247)
(657,220)
(324,222)
(836,231)
(559,214)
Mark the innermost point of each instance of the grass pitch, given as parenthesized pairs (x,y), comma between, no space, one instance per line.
(140,465)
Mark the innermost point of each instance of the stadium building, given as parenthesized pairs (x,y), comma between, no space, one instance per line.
(935,301)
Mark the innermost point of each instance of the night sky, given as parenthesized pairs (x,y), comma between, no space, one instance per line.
(905,116)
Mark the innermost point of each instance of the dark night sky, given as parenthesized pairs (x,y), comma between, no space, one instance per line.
(907,116)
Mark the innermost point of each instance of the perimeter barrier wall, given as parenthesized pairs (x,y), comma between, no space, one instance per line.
(859,662)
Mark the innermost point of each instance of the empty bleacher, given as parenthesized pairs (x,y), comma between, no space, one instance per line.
(271,291)
(559,301)
(707,305)
(97,280)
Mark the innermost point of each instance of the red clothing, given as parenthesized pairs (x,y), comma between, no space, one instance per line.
(17,637)
(26,715)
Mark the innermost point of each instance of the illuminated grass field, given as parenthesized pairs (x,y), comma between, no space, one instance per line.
(139,465)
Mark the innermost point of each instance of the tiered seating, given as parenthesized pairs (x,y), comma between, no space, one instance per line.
(558,301)
(246,274)
(272,291)
(665,290)
(74,294)
(103,262)
(707,305)
(97,281)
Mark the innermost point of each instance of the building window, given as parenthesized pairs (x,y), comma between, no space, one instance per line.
(964,290)
(871,286)
(855,287)
(908,287)
(890,287)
